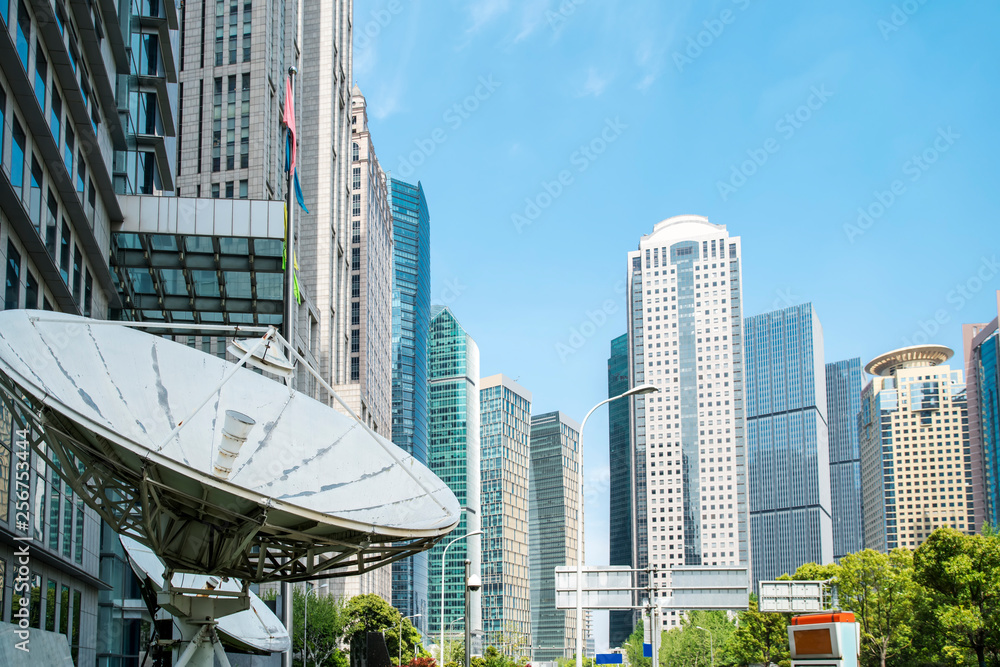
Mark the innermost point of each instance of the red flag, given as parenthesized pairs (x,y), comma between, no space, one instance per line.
(290,118)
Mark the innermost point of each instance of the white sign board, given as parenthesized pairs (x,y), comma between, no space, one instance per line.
(792,596)
(608,587)
(700,587)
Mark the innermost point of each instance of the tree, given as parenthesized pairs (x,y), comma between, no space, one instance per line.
(879,589)
(759,637)
(962,573)
(633,648)
(370,613)
(325,630)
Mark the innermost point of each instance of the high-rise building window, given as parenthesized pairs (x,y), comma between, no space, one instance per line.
(35,198)
(77,272)
(3,117)
(356,178)
(229,190)
(231,123)
(17,156)
(247,14)
(55,116)
(64,252)
(23,32)
(30,290)
(355,369)
(355,231)
(355,314)
(220,29)
(217,125)
(244,189)
(51,225)
(355,340)
(355,204)
(355,152)
(81,174)
(245,124)
(68,147)
(356,286)
(88,293)
(355,259)
(41,74)
(12,289)
(215,190)
(234,7)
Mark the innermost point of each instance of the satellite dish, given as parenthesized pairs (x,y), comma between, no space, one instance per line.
(136,422)
(256,630)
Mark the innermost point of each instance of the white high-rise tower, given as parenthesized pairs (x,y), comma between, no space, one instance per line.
(686,337)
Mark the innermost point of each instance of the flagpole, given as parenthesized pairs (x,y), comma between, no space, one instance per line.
(290,303)
(291,310)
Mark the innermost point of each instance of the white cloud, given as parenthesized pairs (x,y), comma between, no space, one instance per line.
(594,85)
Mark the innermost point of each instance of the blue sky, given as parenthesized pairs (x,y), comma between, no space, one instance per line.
(852,145)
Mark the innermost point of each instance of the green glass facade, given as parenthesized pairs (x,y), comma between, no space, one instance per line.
(553,515)
(453,455)
(620,623)
(506,413)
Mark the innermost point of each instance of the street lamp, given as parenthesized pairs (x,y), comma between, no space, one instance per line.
(711,643)
(634,391)
(401,636)
(443,554)
(305,622)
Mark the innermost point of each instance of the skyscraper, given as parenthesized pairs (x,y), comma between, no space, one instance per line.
(505,407)
(982,371)
(620,623)
(788,465)
(554,514)
(411,314)
(843,403)
(234,61)
(83,121)
(453,427)
(686,337)
(916,471)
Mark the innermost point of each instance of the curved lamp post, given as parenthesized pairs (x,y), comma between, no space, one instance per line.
(443,554)
(634,391)
(400,642)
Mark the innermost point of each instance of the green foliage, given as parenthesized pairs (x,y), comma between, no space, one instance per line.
(879,589)
(962,576)
(325,629)
(370,613)
(760,638)
(633,648)
(690,644)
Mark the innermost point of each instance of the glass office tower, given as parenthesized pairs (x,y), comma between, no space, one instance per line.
(554,516)
(914,413)
(411,316)
(843,403)
(981,344)
(620,623)
(506,413)
(453,455)
(788,463)
(686,338)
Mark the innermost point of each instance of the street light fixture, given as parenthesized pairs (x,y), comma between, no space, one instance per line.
(634,391)
(400,662)
(443,554)
(711,643)
(305,620)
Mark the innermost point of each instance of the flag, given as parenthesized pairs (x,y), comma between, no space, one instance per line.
(290,122)
(298,191)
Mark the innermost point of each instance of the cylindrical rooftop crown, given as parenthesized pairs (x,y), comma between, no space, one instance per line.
(908,357)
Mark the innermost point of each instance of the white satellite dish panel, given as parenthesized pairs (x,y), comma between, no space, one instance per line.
(257,629)
(312,492)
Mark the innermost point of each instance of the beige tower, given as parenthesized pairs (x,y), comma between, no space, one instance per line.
(916,466)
